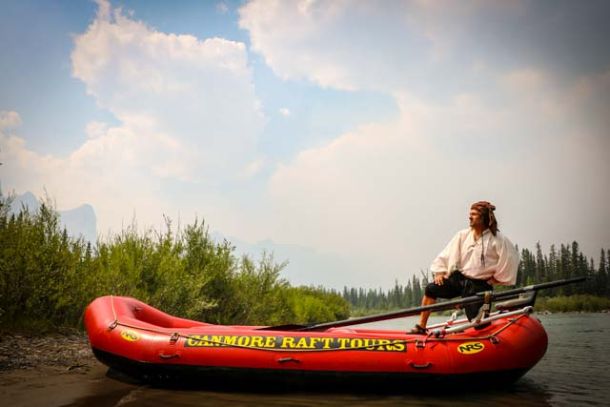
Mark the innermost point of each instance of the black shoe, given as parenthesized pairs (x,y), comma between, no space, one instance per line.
(418,330)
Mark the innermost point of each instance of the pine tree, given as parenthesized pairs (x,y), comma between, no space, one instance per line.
(409,301)
(564,268)
(417,291)
(551,268)
(602,287)
(573,267)
(540,265)
(527,268)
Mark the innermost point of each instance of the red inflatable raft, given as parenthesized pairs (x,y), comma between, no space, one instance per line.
(142,342)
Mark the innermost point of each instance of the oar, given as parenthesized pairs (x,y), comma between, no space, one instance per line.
(495,296)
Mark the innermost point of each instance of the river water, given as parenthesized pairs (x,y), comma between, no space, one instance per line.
(574,372)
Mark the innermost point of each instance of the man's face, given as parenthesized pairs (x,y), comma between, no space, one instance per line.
(475,218)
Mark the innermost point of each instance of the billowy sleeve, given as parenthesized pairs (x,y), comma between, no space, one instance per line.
(508,262)
(441,264)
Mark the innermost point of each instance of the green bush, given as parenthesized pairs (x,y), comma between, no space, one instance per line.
(573,303)
(47,278)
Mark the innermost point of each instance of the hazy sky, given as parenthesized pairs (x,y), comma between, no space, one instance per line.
(349,136)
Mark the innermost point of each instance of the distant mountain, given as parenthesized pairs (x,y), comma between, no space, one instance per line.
(27,200)
(79,222)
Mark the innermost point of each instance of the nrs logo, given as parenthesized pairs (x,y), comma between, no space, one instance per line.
(130,336)
(470,348)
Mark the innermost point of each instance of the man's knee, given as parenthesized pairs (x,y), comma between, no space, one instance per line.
(431,291)
(428,300)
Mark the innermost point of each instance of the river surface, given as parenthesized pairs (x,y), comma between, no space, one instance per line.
(574,372)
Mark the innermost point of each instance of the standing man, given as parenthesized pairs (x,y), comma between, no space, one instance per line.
(473,260)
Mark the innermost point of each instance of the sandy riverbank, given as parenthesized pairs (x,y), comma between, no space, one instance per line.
(54,370)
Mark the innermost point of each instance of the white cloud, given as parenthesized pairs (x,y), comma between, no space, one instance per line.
(473,125)
(112,172)
(320,41)
(186,109)
(392,194)
(96,129)
(176,85)
(432,48)
(373,44)
(9,119)
(284,111)
(252,168)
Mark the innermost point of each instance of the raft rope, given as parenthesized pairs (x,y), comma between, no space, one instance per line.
(492,337)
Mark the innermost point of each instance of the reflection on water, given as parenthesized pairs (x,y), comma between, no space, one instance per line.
(575,371)
(576,368)
(525,394)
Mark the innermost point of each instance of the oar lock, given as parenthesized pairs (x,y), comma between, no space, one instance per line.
(174,338)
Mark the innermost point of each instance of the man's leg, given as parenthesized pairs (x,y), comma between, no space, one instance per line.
(471,287)
(423,317)
(449,288)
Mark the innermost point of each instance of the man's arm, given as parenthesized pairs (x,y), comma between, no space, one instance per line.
(440,266)
(508,262)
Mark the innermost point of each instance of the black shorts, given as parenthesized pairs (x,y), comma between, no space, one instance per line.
(459,285)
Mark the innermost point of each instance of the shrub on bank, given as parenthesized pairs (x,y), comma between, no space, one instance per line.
(48,278)
(573,303)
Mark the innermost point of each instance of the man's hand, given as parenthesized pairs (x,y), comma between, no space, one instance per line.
(493,281)
(439,278)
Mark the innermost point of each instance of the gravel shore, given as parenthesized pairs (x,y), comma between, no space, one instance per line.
(63,351)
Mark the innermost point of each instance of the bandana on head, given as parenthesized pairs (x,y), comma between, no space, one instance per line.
(486,209)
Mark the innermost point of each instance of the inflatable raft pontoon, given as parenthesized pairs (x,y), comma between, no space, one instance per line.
(142,342)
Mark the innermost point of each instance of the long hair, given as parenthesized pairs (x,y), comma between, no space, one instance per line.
(486,209)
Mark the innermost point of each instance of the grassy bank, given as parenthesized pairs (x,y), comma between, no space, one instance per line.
(573,303)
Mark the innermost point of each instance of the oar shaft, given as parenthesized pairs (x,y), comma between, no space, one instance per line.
(394,314)
(541,286)
(502,295)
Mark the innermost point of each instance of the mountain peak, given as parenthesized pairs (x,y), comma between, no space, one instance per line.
(79,222)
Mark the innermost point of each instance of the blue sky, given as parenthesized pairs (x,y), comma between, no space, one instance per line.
(349,137)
